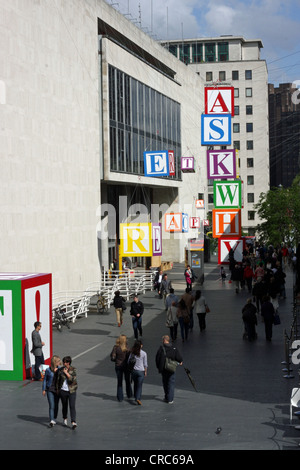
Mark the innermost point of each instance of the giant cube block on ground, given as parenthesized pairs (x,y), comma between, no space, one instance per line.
(24,299)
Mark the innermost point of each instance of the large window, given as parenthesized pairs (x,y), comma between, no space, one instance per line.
(210,53)
(223,53)
(140,119)
(196,53)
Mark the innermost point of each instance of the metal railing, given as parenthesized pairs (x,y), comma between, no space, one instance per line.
(77,304)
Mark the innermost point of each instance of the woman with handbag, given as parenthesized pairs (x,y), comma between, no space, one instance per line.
(200,308)
(119,356)
(166,350)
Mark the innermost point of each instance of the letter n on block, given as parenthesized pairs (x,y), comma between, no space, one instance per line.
(226,223)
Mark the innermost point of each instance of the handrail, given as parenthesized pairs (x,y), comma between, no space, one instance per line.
(76,303)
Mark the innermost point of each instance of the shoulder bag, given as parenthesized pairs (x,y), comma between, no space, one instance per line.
(170,364)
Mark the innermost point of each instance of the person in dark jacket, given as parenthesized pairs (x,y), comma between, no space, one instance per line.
(118,303)
(249,319)
(267,312)
(168,378)
(136,311)
(237,277)
(259,291)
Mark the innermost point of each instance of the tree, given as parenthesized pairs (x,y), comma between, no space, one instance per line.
(279,210)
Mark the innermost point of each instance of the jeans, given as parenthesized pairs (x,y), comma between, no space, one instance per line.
(120,371)
(68,398)
(38,361)
(201,318)
(53,401)
(137,325)
(173,331)
(138,379)
(184,328)
(168,380)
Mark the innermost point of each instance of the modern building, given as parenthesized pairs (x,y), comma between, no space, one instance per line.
(284,121)
(235,61)
(83,94)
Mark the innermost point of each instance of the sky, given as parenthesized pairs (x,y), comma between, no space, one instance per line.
(276,23)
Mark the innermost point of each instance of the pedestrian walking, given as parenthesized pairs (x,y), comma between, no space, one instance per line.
(118,303)
(200,309)
(168,378)
(157,280)
(48,388)
(172,320)
(37,350)
(165,287)
(139,371)
(268,312)
(237,277)
(250,321)
(66,386)
(184,319)
(136,311)
(259,291)
(119,356)
(189,300)
(248,275)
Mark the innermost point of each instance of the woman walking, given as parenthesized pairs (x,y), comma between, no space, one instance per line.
(184,319)
(66,386)
(200,309)
(140,369)
(119,356)
(118,303)
(48,389)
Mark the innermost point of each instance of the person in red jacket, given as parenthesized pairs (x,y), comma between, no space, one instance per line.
(248,276)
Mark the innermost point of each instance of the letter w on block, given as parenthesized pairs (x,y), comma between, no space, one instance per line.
(136,239)
(228,194)
(226,222)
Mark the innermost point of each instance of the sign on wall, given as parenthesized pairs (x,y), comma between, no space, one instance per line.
(176,222)
(221,164)
(215,129)
(136,239)
(194,222)
(226,222)
(156,163)
(219,100)
(228,194)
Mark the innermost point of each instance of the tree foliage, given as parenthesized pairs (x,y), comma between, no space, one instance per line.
(279,210)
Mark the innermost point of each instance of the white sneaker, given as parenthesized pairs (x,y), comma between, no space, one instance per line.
(74,425)
(52,423)
(65,422)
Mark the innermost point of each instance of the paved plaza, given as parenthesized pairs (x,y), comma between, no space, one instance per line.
(242,402)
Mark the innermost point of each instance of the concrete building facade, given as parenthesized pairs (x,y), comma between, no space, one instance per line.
(235,61)
(65,69)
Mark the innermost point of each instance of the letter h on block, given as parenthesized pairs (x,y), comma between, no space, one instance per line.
(226,222)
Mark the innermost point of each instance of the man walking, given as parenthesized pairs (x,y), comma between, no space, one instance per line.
(37,345)
(136,311)
(165,287)
(168,378)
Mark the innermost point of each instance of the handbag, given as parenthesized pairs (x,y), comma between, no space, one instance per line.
(113,355)
(207,309)
(276,320)
(170,364)
(123,306)
(131,362)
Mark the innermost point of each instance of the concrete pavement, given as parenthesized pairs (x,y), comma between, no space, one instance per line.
(241,388)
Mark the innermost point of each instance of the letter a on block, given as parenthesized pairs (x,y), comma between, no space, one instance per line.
(173,222)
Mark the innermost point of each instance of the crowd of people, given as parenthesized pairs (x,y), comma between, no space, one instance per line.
(262,273)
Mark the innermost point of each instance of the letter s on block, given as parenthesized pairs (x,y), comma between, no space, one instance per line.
(216,129)
(296,354)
